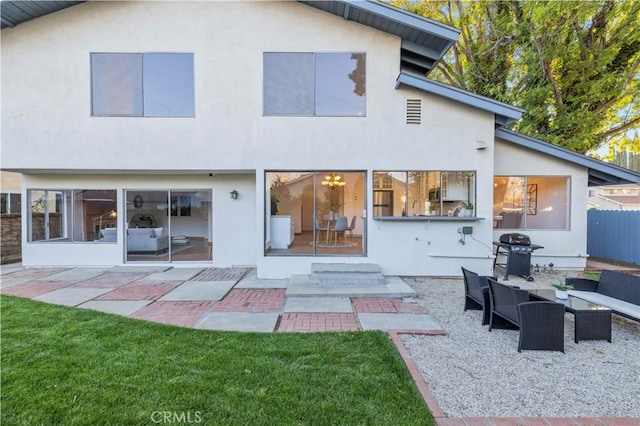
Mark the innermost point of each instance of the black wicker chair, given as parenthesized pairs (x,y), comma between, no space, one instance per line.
(541,324)
(476,293)
(504,300)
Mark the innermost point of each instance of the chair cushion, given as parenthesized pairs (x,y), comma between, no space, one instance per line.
(140,232)
(614,304)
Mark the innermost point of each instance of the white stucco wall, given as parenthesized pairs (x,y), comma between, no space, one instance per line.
(47,128)
(564,248)
(47,106)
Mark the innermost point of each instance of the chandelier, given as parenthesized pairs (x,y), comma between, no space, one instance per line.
(333,181)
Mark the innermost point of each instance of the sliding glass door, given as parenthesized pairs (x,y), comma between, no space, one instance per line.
(315,213)
(168,225)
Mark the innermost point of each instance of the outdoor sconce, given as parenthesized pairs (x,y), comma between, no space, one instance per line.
(234,194)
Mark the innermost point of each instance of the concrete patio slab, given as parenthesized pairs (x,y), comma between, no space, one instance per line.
(318,304)
(300,285)
(199,290)
(140,269)
(8,281)
(72,296)
(418,322)
(174,274)
(239,321)
(251,281)
(11,267)
(76,274)
(118,307)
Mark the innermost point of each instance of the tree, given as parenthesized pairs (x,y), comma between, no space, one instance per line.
(574,66)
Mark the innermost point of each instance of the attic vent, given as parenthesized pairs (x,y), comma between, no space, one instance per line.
(414,111)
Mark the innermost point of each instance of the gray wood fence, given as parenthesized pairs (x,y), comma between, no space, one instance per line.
(614,234)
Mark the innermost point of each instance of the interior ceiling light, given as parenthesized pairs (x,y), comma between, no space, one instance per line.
(333,181)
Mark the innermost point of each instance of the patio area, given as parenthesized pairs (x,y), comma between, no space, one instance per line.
(473,376)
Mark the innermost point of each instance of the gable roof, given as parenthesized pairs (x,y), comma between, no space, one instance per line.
(600,173)
(16,12)
(504,113)
(424,41)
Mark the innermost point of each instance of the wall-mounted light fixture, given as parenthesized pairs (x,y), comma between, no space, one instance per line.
(481,145)
(234,194)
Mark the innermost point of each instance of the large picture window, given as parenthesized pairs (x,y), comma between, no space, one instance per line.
(315,84)
(315,213)
(142,85)
(72,215)
(423,193)
(531,202)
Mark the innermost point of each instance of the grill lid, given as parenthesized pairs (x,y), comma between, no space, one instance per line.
(515,239)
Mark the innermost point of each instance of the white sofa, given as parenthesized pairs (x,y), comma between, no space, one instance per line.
(109,235)
(146,239)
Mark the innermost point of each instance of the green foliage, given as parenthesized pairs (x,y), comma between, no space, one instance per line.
(67,366)
(572,65)
(562,286)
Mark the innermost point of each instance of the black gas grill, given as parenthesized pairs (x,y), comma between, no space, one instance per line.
(517,249)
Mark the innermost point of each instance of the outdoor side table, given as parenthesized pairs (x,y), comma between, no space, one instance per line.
(592,324)
(592,321)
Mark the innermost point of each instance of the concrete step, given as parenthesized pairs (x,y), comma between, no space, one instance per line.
(346,274)
(345,267)
(346,278)
(301,286)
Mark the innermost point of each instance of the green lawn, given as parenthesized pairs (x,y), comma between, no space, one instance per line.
(72,366)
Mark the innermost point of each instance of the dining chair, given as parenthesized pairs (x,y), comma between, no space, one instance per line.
(352,226)
(340,226)
(320,229)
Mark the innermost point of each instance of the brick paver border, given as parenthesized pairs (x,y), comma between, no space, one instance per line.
(300,322)
(184,314)
(252,300)
(387,305)
(34,288)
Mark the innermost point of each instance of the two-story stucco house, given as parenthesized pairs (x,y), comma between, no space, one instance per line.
(272,134)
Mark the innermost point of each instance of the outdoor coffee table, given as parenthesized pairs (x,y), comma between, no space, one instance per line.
(593,321)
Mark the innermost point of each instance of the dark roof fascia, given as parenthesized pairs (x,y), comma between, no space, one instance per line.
(504,113)
(405,18)
(600,172)
(17,12)
(424,41)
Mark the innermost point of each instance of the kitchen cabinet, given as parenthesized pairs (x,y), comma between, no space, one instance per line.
(454,187)
(282,231)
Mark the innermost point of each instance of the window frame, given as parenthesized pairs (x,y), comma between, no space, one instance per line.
(532,207)
(67,221)
(315,89)
(416,207)
(142,75)
(318,189)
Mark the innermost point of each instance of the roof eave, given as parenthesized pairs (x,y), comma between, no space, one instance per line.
(504,114)
(424,41)
(600,172)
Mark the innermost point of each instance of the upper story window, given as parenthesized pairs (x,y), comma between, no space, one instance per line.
(142,84)
(315,84)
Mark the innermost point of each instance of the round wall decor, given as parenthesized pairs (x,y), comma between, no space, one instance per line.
(138,201)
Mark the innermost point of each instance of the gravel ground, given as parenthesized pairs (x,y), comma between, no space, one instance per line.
(476,373)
